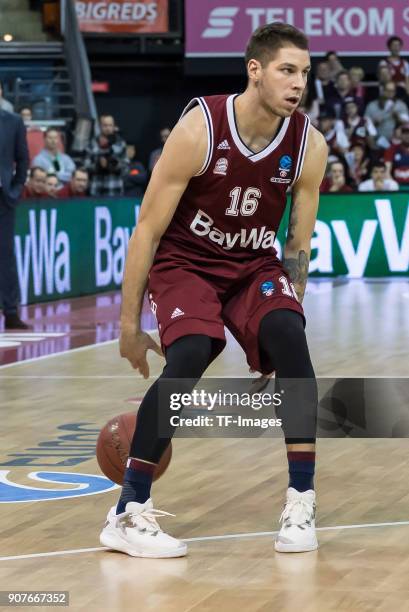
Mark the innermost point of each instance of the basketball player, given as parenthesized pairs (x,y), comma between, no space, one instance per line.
(204,247)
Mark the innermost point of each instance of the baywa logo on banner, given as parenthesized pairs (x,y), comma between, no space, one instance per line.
(43,255)
(221,22)
(333,235)
(46,256)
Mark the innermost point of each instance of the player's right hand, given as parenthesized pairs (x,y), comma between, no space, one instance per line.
(133,345)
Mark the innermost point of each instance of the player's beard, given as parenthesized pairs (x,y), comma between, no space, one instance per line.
(275,110)
(278,111)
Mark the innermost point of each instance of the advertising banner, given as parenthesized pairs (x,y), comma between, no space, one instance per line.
(72,247)
(122,16)
(222,27)
(359,235)
(78,247)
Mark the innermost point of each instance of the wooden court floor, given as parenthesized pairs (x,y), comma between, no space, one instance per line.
(227,494)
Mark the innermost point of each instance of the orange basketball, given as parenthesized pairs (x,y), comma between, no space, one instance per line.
(113,444)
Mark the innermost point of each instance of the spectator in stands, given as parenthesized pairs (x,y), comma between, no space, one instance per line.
(384,76)
(358,162)
(106,160)
(78,185)
(5,104)
(379,180)
(324,86)
(334,133)
(343,88)
(154,156)
(357,75)
(397,158)
(334,64)
(52,159)
(386,112)
(335,182)
(398,66)
(26,114)
(310,105)
(52,185)
(135,181)
(358,129)
(35,186)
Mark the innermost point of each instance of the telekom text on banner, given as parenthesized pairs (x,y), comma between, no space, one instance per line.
(122,16)
(223,27)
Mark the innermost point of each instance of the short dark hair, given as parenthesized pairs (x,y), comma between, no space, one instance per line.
(34,169)
(378,164)
(329,53)
(333,163)
(51,129)
(358,144)
(80,169)
(266,40)
(327,112)
(340,73)
(392,39)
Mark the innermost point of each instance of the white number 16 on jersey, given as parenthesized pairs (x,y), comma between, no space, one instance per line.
(248,204)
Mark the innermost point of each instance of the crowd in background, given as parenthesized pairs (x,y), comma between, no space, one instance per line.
(365,124)
(109,166)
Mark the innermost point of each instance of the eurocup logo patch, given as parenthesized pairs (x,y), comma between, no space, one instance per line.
(284,165)
(267,288)
(79,485)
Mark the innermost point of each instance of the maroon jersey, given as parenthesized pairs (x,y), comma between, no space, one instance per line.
(233,207)
(216,264)
(398,70)
(399,156)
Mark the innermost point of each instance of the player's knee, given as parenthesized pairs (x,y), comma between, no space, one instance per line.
(188,357)
(282,327)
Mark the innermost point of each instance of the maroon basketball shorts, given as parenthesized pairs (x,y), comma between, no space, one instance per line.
(190,300)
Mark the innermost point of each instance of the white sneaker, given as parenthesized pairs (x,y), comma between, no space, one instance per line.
(137,533)
(297,533)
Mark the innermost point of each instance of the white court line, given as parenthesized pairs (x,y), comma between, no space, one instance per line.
(212,377)
(74,350)
(236,536)
(53,554)
(23,377)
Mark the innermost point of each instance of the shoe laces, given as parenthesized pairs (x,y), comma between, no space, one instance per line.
(297,512)
(144,521)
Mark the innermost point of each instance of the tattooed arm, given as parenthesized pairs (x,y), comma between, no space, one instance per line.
(303,212)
